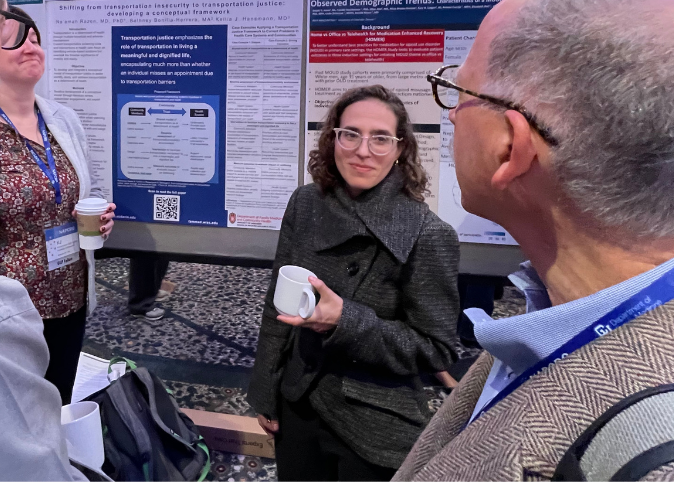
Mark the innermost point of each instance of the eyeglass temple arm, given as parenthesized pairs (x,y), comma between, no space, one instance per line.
(18,18)
(543,131)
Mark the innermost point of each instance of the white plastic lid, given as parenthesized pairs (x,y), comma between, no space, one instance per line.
(92,205)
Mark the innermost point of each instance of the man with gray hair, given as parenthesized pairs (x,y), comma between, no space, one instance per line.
(564,135)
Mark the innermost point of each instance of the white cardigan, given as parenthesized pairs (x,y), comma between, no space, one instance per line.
(67,129)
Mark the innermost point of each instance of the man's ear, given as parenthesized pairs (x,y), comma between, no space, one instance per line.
(521,152)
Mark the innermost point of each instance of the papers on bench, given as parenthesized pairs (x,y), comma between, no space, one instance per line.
(92,375)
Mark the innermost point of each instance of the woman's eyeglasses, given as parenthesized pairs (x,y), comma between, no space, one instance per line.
(379,145)
(14,30)
(446,95)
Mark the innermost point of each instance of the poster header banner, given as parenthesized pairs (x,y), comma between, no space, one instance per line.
(392,14)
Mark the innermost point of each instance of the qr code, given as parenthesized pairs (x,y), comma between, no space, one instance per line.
(166,208)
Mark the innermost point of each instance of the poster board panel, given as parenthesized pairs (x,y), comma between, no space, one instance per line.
(396,45)
(80,36)
(238,247)
(192,109)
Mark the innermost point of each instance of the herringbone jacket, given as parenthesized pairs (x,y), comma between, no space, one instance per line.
(524,436)
(394,263)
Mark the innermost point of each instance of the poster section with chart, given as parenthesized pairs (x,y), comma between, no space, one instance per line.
(192,109)
(396,43)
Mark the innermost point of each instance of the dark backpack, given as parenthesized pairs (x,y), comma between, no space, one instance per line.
(627,442)
(145,435)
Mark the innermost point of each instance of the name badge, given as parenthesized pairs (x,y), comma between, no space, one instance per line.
(63,245)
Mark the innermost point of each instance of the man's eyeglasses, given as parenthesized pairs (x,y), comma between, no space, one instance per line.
(14,30)
(446,95)
(379,145)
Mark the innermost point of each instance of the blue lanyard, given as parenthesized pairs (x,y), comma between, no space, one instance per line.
(50,171)
(654,295)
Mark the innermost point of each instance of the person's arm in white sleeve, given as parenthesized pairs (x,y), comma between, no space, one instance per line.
(33,447)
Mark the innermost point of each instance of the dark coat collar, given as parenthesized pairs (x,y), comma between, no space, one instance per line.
(384,211)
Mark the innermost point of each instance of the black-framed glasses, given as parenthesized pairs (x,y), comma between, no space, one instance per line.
(379,145)
(446,95)
(14,30)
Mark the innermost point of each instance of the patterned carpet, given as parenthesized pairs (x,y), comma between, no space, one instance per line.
(204,347)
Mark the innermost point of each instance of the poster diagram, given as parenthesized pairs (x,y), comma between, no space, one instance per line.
(168,140)
(170,164)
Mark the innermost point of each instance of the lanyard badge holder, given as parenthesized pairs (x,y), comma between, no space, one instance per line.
(656,294)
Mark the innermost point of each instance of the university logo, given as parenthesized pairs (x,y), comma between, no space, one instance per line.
(601,330)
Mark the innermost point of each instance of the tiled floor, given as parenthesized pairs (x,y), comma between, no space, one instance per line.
(205,346)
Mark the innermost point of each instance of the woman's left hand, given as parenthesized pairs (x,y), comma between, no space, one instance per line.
(327,314)
(107,221)
(447,380)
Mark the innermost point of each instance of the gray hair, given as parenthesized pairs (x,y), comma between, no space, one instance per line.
(600,75)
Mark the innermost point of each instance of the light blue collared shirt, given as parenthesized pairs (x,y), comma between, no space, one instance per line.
(519,342)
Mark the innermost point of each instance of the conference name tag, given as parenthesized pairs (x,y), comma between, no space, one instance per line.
(63,245)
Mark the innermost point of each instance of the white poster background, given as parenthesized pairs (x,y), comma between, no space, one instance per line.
(470,228)
(264,38)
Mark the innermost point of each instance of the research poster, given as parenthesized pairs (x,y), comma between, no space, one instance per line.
(192,109)
(396,43)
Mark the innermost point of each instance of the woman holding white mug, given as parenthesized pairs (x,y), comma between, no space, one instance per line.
(341,389)
(43,173)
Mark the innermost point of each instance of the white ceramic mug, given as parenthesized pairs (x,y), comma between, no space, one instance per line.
(81,424)
(294,294)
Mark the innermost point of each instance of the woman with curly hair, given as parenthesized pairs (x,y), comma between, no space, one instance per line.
(341,390)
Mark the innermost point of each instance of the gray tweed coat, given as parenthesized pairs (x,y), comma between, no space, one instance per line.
(394,263)
(525,435)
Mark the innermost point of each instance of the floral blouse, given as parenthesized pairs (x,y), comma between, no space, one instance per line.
(28,207)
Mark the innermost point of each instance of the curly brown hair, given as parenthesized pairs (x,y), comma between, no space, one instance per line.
(322,165)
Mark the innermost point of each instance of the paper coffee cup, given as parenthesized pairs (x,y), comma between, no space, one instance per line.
(89,212)
(81,424)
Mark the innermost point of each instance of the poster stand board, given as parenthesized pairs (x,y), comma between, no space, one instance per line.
(234,247)
(251,157)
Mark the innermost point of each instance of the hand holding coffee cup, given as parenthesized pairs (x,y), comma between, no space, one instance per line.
(94,221)
(296,301)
